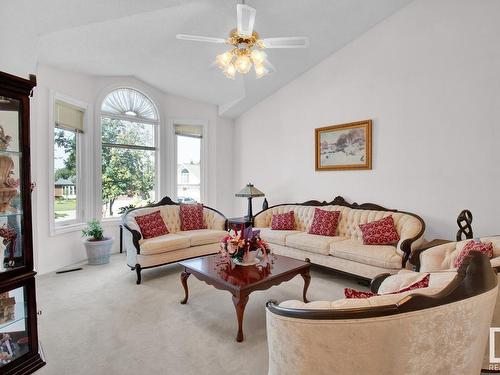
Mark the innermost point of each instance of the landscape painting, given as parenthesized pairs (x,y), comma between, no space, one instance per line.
(345,146)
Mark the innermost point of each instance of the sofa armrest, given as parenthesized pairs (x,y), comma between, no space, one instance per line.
(377,281)
(133,233)
(411,237)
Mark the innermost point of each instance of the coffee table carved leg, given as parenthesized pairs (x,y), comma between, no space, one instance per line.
(307,280)
(184,278)
(239,304)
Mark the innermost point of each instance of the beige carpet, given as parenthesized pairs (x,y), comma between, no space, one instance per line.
(98,321)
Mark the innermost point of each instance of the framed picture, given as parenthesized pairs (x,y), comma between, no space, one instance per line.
(344,146)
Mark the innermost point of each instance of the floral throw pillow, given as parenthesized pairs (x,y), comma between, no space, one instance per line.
(324,222)
(151,225)
(192,216)
(485,248)
(284,221)
(380,232)
(353,293)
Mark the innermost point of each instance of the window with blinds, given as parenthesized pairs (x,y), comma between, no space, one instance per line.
(68,129)
(68,117)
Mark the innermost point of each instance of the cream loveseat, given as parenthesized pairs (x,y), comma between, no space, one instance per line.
(440,259)
(345,252)
(435,330)
(174,246)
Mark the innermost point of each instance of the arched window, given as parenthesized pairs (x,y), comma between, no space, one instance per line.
(129,122)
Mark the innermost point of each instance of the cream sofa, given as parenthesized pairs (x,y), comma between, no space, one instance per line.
(435,330)
(440,259)
(174,246)
(345,252)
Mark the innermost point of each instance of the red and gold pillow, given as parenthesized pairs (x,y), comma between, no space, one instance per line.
(284,221)
(324,222)
(485,248)
(353,293)
(151,225)
(192,216)
(380,232)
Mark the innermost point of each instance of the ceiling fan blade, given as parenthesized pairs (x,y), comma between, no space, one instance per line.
(246,19)
(269,66)
(200,38)
(286,42)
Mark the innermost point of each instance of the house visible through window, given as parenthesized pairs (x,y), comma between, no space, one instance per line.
(68,129)
(129,123)
(188,140)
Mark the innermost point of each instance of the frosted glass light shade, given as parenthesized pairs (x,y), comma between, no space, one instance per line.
(223,59)
(243,64)
(258,56)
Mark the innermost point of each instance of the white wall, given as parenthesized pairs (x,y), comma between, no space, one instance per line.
(55,251)
(429,78)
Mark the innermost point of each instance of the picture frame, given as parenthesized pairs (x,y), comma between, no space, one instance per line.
(344,146)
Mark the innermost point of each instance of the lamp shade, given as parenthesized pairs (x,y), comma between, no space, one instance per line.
(250,191)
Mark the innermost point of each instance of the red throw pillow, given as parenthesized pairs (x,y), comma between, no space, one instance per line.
(324,222)
(192,216)
(151,225)
(284,221)
(353,293)
(485,248)
(380,232)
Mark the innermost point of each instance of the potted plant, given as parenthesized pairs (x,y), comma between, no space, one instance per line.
(243,247)
(97,246)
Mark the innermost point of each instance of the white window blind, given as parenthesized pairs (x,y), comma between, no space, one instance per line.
(194,131)
(68,117)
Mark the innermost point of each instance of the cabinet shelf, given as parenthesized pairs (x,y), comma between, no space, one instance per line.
(10,153)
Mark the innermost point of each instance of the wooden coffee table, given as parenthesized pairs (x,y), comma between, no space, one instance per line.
(240,281)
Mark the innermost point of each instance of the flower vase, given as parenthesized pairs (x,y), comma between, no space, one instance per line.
(249,258)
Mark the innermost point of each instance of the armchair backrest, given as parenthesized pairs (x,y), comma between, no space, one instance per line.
(445,333)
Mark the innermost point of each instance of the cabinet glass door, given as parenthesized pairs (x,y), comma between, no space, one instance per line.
(11,213)
(14,341)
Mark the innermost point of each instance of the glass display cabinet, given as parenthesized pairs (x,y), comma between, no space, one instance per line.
(19,347)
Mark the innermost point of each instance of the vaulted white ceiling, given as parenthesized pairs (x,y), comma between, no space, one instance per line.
(137,38)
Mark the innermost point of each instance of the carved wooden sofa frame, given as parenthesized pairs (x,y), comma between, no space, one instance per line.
(136,235)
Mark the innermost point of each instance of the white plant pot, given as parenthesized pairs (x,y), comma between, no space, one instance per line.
(98,251)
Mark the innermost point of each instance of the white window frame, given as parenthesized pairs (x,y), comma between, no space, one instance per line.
(99,114)
(203,155)
(81,167)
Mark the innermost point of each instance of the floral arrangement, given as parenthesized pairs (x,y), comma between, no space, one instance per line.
(240,244)
(4,139)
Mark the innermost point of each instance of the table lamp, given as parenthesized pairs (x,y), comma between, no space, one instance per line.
(249,192)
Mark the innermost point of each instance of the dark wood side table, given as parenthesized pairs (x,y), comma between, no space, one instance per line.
(240,281)
(415,255)
(238,222)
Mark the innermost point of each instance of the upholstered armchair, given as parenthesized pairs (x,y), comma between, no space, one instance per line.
(440,330)
(439,260)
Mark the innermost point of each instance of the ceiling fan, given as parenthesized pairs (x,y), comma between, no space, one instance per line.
(247,47)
